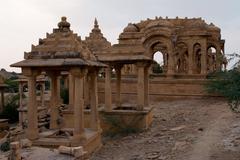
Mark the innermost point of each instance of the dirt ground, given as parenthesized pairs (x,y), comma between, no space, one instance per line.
(202,129)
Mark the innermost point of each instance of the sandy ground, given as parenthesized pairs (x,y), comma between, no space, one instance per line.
(203,129)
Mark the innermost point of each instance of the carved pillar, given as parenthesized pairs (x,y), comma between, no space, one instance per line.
(54,101)
(71,91)
(118,84)
(170,67)
(59,89)
(32,113)
(78,115)
(190,58)
(146,85)
(203,57)
(108,89)
(94,122)
(140,86)
(86,91)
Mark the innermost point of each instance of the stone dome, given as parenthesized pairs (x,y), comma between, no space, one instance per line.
(130,28)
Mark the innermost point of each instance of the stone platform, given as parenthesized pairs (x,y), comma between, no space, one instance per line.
(126,116)
(51,139)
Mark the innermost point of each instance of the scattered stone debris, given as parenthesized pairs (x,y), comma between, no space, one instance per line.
(77,152)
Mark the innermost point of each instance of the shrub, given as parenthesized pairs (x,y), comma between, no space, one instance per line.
(12,85)
(5,146)
(10,110)
(118,126)
(227,84)
(157,68)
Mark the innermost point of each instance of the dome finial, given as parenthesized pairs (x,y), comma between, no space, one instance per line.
(64,25)
(96,23)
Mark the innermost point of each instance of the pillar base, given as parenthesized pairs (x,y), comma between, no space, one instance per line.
(32,134)
(90,143)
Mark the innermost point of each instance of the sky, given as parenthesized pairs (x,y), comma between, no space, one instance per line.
(23,22)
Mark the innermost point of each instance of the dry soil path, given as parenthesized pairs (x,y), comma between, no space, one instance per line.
(203,129)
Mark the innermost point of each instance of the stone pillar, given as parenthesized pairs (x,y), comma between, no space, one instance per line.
(59,89)
(108,89)
(146,85)
(86,91)
(15,151)
(94,122)
(54,101)
(71,91)
(170,66)
(78,103)
(140,86)
(190,58)
(42,94)
(20,90)
(118,85)
(203,58)
(32,113)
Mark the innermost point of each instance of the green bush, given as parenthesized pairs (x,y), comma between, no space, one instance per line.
(157,68)
(118,127)
(12,85)
(10,109)
(5,146)
(227,84)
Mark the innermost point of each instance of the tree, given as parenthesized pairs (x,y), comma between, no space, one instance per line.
(157,68)
(227,84)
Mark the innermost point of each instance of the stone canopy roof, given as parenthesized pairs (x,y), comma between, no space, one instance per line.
(60,48)
(96,42)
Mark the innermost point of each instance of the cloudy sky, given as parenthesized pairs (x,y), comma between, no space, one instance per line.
(23,22)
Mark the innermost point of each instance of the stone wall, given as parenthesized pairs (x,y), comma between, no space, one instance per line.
(159,89)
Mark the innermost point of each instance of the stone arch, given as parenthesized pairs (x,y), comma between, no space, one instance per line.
(211,58)
(159,63)
(158,44)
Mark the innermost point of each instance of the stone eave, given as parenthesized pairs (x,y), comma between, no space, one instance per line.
(68,62)
(123,58)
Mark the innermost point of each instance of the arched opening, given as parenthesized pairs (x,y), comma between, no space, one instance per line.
(158,64)
(211,59)
(160,57)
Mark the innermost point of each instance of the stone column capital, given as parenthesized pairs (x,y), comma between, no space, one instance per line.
(29,72)
(142,64)
(118,66)
(79,72)
(53,73)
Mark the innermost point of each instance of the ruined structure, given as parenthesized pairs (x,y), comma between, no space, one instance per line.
(61,51)
(188,46)
(190,49)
